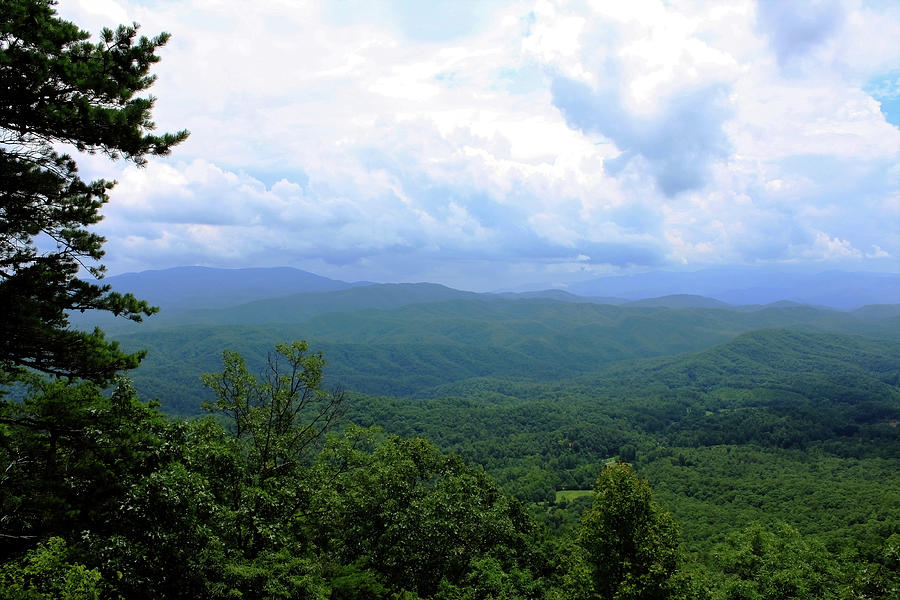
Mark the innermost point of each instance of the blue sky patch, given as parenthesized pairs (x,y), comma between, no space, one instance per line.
(886,89)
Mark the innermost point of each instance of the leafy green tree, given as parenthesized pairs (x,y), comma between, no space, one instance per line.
(47,573)
(164,543)
(58,88)
(361,518)
(627,547)
(880,579)
(256,458)
(276,421)
(164,509)
(405,517)
(759,563)
(69,454)
(105,474)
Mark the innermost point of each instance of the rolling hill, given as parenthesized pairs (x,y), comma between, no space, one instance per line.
(416,348)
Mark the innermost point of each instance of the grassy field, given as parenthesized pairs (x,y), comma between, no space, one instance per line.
(569,495)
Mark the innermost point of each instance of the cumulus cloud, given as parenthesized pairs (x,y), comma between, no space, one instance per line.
(490,144)
(644,77)
(678,143)
(796,28)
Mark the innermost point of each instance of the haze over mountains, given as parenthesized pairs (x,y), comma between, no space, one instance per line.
(190,288)
(741,286)
(182,288)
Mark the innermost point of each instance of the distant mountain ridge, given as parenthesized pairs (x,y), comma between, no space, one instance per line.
(299,307)
(680,301)
(747,285)
(204,288)
(187,288)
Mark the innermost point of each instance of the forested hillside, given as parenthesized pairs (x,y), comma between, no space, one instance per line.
(419,348)
(774,403)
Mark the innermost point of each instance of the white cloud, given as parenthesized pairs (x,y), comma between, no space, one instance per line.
(355,140)
(877,252)
(827,247)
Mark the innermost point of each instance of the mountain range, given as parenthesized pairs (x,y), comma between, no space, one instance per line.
(185,289)
(416,339)
(746,285)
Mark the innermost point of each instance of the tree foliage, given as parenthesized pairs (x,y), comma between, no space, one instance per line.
(779,563)
(273,424)
(58,88)
(102,496)
(414,519)
(628,543)
(69,454)
(46,573)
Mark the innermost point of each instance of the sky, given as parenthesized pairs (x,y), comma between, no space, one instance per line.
(490,145)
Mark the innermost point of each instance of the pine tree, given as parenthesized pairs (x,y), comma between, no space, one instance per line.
(59,88)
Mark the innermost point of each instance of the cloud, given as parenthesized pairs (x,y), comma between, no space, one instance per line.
(877,252)
(794,29)
(826,247)
(174,210)
(438,21)
(678,143)
(487,145)
(646,78)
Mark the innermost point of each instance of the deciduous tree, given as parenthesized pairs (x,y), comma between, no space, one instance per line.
(628,544)
(762,564)
(275,421)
